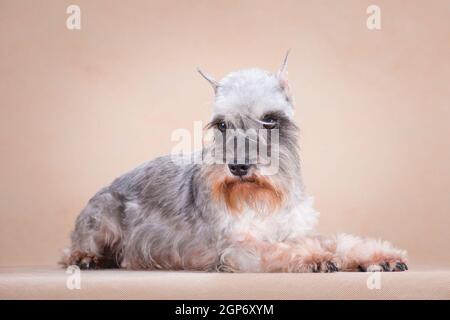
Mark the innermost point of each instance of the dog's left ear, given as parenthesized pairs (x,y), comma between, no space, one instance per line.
(282,76)
(210,79)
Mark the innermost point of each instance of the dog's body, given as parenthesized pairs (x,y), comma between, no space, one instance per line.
(168,214)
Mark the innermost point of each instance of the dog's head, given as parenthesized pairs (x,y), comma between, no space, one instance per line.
(255,139)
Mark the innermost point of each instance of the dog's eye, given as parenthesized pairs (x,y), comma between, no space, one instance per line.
(269,122)
(222,126)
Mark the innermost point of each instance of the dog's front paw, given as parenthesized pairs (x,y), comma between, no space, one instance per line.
(385,266)
(315,264)
(370,255)
(83,260)
(386,259)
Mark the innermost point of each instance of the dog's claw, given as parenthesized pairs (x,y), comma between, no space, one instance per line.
(87,264)
(385,266)
(84,265)
(400,266)
(331,267)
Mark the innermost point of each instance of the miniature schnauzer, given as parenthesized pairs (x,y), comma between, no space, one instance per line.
(234,216)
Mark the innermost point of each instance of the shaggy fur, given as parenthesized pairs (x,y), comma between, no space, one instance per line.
(169,214)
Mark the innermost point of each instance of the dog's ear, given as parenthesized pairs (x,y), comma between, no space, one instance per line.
(282,76)
(210,79)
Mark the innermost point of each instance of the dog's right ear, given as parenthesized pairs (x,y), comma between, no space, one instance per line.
(211,80)
(282,76)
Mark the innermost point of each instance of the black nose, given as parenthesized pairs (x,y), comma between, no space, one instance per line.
(238,169)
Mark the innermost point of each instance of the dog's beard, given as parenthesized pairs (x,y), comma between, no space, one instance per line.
(256,192)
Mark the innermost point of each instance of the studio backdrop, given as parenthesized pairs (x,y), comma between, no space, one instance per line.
(81,105)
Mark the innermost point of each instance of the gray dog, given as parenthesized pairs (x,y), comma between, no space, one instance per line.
(235,216)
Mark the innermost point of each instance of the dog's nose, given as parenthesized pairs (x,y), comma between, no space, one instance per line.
(238,169)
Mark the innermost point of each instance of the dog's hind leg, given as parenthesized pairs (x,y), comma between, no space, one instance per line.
(96,240)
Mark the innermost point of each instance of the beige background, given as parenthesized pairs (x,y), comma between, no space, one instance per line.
(78,108)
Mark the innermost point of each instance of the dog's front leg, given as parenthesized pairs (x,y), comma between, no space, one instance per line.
(251,255)
(365,254)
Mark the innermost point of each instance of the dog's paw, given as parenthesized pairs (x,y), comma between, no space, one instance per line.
(316,265)
(371,255)
(385,266)
(83,260)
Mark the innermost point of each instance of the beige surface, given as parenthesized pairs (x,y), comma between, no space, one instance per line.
(50,283)
(78,108)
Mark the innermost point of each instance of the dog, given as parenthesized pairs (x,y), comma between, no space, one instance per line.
(231,216)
